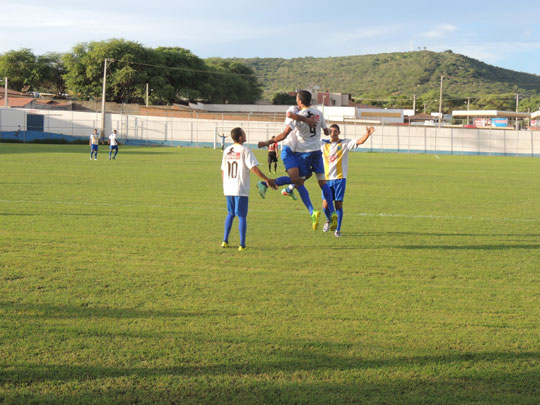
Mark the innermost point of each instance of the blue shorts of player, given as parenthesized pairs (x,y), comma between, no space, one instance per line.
(288,158)
(337,187)
(237,206)
(94,148)
(114,147)
(310,162)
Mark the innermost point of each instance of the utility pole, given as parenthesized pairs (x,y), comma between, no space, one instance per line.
(517,107)
(468,108)
(103,96)
(147,94)
(414,105)
(440,102)
(6,104)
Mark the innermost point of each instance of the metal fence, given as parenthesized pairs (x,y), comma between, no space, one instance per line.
(37,125)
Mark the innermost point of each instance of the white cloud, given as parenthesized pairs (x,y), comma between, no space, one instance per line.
(439,31)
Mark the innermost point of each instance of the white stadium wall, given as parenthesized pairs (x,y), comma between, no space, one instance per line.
(167,131)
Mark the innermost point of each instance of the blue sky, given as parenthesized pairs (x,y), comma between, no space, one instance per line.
(494,33)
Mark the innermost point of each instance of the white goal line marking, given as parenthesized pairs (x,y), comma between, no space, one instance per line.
(362,214)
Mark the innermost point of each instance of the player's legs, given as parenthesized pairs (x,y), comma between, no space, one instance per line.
(241,212)
(231,209)
(340,186)
(317,165)
(115,151)
(110,151)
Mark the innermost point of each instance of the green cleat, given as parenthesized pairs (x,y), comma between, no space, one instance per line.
(262,189)
(287,193)
(224,245)
(315,220)
(333,225)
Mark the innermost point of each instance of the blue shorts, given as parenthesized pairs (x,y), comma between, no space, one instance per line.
(93,148)
(310,162)
(113,147)
(237,205)
(337,187)
(288,158)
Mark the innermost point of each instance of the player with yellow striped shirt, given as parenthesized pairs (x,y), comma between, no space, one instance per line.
(336,161)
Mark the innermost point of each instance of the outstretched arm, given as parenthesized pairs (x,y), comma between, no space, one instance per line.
(276,139)
(270,182)
(369,131)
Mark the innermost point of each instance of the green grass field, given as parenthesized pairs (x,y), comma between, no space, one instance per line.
(114,288)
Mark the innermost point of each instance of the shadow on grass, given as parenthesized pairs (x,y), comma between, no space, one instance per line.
(299,376)
(86,310)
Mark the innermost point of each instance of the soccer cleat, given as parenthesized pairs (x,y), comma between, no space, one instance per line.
(241,248)
(224,245)
(315,220)
(262,189)
(288,193)
(326,226)
(337,234)
(333,226)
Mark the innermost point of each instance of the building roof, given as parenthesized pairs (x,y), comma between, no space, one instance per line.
(490,114)
(16,102)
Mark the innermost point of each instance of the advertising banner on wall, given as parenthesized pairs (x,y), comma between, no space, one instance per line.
(482,122)
(499,122)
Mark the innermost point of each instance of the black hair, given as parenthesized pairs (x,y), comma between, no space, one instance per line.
(236,133)
(305,97)
(336,126)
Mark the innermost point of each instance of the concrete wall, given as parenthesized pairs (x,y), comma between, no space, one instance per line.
(172,131)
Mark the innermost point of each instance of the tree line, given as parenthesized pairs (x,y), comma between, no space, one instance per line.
(173,74)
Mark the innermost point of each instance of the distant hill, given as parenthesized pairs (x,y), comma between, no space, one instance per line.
(393,78)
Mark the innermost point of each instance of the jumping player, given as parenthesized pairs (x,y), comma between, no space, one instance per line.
(237,162)
(336,161)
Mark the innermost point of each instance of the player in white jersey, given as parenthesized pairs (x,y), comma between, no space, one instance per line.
(291,160)
(94,141)
(236,165)
(336,161)
(113,145)
(308,154)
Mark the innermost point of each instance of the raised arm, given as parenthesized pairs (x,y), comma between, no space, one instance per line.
(369,131)
(311,121)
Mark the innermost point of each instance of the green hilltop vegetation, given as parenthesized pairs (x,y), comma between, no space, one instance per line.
(391,79)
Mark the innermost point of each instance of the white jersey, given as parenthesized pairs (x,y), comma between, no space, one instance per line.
(291,141)
(308,139)
(236,164)
(336,157)
(94,139)
(112,139)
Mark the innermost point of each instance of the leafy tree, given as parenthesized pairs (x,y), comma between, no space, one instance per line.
(233,82)
(51,72)
(21,68)
(283,98)
(125,83)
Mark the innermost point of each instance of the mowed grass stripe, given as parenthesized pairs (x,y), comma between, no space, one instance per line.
(124,295)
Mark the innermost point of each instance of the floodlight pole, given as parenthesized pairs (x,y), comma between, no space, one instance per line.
(440,103)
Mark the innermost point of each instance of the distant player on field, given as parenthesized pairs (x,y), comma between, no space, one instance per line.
(113,145)
(94,142)
(272,157)
(237,162)
(336,161)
